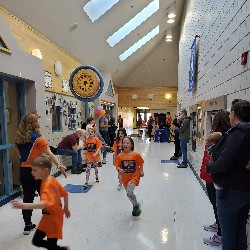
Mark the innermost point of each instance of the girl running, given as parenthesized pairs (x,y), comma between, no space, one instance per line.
(130,165)
(93,146)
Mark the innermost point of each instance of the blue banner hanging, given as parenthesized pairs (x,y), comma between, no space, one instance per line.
(192,67)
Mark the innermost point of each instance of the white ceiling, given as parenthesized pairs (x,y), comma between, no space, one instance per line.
(155,64)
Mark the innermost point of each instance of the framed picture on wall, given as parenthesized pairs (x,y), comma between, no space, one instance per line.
(48,79)
(200,121)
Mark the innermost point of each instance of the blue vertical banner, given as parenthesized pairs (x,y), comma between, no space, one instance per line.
(192,67)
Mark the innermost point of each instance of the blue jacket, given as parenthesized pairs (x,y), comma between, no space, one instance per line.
(229,166)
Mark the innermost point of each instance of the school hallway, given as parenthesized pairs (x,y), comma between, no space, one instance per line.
(174,210)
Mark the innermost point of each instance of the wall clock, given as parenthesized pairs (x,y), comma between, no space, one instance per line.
(86,83)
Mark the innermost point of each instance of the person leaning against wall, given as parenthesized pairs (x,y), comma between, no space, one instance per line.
(184,135)
(70,146)
(29,145)
(230,171)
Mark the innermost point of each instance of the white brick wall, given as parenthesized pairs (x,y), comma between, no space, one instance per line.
(224,32)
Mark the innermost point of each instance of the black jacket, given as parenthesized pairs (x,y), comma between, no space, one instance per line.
(229,166)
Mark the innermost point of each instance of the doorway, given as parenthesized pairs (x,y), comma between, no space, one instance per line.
(12,99)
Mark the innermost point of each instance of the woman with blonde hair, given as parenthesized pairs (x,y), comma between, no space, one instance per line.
(29,145)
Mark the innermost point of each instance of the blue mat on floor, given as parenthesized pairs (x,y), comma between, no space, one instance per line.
(77,188)
(170,161)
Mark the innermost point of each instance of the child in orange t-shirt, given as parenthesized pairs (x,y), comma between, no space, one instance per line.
(117,148)
(130,165)
(93,146)
(51,192)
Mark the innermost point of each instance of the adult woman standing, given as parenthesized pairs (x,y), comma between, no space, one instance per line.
(31,144)
(229,168)
(220,125)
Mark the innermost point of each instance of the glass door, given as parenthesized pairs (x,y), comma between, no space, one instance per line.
(12,108)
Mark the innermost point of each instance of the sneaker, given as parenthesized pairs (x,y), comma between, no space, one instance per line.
(136,210)
(85,185)
(99,164)
(97,180)
(81,169)
(182,165)
(213,241)
(211,228)
(119,187)
(173,158)
(28,229)
(75,171)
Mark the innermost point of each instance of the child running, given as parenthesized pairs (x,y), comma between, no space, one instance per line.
(130,165)
(117,148)
(51,192)
(93,146)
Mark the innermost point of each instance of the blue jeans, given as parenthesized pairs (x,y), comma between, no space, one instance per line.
(184,143)
(105,136)
(104,152)
(233,207)
(76,156)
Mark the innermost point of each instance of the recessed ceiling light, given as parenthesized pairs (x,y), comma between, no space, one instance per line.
(170,20)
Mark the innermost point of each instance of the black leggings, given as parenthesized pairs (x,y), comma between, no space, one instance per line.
(211,192)
(50,243)
(30,186)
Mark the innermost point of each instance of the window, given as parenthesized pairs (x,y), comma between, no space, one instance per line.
(139,44)
(56,119)
(96,8)
(133,23)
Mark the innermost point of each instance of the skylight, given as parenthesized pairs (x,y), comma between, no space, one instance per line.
(96,8)
(139,44)
(133,23)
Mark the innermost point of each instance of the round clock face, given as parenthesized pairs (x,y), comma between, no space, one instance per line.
(86,83)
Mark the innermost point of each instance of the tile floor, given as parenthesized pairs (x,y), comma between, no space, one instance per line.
(174,209)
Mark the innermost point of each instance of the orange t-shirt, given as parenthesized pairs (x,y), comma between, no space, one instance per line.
(31,150)
(51,192)
(131,164)
(91,145)
(169,120)
(117,148)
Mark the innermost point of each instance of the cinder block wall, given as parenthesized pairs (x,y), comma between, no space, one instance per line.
(223,27)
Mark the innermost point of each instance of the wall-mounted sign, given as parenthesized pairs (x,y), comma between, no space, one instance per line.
(86,83)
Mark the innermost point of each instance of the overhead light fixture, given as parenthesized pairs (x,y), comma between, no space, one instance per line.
(170,21)
(150,96)
(168,96)
(168,39)
(134,96)
(169,34)
(37,53)
(172,10)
